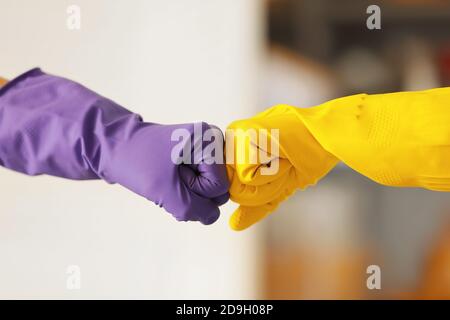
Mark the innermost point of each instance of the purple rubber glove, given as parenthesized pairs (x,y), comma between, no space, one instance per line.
(51,125)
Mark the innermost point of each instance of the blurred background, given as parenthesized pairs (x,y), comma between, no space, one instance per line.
(218,60)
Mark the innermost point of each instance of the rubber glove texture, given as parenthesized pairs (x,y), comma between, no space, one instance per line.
(51,125)
(398,139)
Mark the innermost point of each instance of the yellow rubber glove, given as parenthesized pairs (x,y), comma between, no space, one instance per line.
(397,139)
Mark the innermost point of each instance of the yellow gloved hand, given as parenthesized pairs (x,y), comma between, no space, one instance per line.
(301,161)
(396,139)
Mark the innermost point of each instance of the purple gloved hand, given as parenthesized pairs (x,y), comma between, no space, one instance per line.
(51,125)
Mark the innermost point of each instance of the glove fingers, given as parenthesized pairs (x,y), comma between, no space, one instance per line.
(259,174)
(206,180)
(222,199)
(213,179)
(246,216)
(255,153)
(204,210)
(249,195)
(211,217)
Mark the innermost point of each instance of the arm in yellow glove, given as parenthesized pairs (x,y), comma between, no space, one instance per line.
(398,139)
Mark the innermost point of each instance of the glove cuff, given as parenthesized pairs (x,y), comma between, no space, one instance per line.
(313,161)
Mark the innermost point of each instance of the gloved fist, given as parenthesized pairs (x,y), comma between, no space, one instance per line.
(51,125)
(293,159)
(171,166)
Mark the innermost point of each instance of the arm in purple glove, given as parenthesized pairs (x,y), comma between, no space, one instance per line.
(51,125)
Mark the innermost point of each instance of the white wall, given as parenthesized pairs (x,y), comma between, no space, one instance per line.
(171,61)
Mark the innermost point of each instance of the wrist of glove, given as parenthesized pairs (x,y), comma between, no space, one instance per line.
(300,162)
